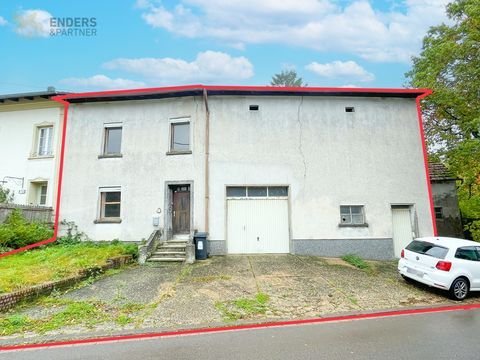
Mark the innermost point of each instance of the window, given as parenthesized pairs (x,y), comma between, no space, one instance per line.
(438,213)
(277,191)
(467,253)
(236,191)
(110,203)
(44,140)
(427,248)
(257,191)
(180,137)
(352,215)
(112,141)
(43,195)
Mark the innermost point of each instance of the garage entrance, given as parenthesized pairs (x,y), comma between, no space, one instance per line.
(257,220)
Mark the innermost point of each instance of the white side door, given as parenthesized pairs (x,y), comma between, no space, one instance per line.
(402,228)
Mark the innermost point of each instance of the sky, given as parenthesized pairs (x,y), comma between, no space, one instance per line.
(117,44)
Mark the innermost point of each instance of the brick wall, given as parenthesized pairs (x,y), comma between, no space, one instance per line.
(9,300)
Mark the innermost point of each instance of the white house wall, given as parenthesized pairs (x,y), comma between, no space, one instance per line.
(141,172)
(17,142)
(328,157)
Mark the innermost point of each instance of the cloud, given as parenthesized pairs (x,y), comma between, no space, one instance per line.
(322,25)
(208,66)
(33,23)
(341,69)
(3,22)
(101,82)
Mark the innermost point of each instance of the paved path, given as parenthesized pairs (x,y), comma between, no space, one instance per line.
(446,335)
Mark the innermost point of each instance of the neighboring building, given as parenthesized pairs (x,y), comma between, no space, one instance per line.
(445,200)
(261,169)
(30,129)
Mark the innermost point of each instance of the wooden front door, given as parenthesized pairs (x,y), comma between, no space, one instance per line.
(181,210)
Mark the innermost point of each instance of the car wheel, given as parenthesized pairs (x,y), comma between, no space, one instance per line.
(459,289)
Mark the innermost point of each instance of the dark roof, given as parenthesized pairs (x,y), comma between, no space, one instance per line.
(439,172)
(192,90)
(31,95)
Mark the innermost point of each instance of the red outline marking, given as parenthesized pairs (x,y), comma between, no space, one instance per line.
(245,327)
(425,160)
(59,188)
(63,99)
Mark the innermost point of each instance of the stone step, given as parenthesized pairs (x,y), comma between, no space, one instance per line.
(171,246)
(160,252)
(159,259)
(174,241)
(168,255)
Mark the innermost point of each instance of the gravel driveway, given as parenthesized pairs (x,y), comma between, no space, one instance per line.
(229,290)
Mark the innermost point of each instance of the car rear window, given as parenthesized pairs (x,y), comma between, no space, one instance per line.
(427,248)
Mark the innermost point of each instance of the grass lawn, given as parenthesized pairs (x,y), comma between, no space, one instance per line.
(54,262)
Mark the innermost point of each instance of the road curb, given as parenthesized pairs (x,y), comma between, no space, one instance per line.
(340,318)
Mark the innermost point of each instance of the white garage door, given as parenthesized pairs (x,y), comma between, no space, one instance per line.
(257,225)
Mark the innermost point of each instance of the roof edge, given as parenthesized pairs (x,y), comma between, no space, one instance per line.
(226,89)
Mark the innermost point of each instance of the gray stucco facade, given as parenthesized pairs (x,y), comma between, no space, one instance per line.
(327,157)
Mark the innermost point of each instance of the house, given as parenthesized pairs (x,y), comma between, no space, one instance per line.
(260,169)
(30,129)
(445,200)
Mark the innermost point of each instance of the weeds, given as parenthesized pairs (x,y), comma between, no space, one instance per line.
(356,261)
(243,308)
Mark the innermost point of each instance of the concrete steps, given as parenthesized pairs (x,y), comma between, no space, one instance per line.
(170,251)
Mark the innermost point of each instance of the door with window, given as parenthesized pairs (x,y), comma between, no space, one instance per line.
(181,210)
(402,228)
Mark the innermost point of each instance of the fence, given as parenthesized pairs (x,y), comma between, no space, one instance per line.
(31,213)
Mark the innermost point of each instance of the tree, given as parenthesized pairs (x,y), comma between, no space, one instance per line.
(287,78)
(449,64)
(5,195)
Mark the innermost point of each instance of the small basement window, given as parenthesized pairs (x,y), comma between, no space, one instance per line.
(349,109)
(254,107)
(352,215)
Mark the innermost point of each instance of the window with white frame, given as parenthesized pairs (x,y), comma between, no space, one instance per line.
(112,142)
(257,191)
(44,141)
(352,215)
(110,203)
(180,136)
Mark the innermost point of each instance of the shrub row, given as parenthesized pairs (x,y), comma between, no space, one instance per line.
(17,232)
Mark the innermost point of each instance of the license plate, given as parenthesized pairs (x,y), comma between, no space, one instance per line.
(415,272)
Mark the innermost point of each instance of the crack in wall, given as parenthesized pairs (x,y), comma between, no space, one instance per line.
(300,143)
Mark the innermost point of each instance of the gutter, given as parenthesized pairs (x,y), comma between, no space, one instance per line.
(207,160)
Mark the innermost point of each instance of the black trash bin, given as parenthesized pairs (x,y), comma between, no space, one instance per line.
(200,240)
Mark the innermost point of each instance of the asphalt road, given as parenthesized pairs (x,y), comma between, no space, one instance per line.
(444,335)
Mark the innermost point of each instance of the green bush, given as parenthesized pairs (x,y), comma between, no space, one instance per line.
(16,232)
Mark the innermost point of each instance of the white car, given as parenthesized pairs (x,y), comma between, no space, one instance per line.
(446,263)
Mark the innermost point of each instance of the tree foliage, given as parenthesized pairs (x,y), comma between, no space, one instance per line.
(5,195)
(287,78)
(449,64)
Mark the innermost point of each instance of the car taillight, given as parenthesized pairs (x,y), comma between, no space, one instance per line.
(444,265)
(402,254)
